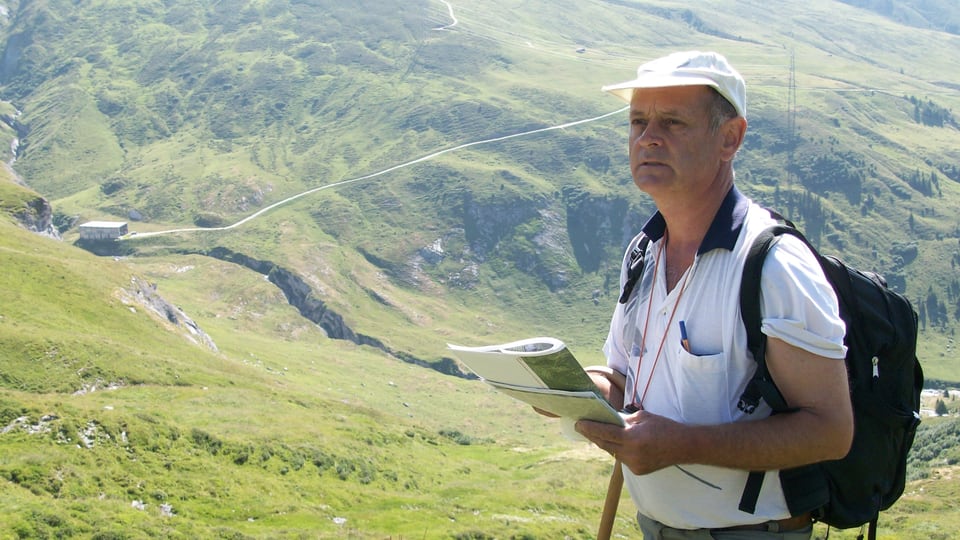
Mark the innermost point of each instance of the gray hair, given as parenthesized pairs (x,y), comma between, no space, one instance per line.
(721,110)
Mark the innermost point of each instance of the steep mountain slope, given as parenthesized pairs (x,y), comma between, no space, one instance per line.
(197,115)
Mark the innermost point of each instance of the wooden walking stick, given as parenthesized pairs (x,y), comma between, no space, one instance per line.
(611,503)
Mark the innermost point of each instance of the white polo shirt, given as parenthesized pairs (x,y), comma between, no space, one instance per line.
(703,386)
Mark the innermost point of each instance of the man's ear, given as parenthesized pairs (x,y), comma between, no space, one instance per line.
(732,132)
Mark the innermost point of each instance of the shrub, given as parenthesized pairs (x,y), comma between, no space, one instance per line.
(206,441)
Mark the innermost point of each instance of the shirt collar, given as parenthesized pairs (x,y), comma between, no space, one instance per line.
(723,231)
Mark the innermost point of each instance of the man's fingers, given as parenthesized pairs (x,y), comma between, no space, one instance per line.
(598,432)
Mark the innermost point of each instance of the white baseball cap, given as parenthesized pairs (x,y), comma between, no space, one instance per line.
(689,68)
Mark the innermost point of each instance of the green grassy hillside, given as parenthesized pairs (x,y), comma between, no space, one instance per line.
(114,424)
(439,202)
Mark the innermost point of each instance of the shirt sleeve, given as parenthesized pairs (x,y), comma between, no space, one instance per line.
(797,302)
(614,347)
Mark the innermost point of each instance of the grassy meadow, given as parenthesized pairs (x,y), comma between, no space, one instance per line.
(278,434)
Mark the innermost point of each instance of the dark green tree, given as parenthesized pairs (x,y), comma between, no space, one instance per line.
(941,408)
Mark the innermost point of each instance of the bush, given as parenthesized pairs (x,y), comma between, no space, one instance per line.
(206,441)
(208,220)
(457,437)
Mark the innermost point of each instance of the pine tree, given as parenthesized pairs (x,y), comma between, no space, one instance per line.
(941,408)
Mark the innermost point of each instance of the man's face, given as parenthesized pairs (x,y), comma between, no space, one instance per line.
(672,147)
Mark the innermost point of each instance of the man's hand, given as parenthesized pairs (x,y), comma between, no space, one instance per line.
(640,445)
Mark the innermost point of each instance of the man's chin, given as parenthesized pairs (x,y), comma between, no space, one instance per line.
(647,179)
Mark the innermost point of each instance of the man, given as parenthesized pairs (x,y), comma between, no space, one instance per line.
(677,350)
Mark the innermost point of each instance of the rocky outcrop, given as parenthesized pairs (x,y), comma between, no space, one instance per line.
(538,235)
(301,296)
(487,222)
(596,223)
(37,216)
(526,232)
(145,294)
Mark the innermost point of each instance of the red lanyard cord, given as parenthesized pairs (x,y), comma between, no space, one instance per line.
(646,324)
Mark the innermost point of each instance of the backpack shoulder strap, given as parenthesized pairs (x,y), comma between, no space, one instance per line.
(636,263)
(762,384)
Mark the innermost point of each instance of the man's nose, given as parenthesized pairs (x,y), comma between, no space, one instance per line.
(647,136)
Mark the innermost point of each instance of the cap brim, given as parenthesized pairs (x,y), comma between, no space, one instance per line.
(624,90)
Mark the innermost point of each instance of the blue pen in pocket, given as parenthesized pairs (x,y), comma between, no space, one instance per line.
(684,341)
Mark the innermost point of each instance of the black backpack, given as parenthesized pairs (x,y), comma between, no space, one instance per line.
(885,384)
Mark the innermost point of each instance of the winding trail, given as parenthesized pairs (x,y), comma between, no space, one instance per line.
(452,16)
(372,175)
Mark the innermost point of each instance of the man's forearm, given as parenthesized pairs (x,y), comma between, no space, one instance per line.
(777,442)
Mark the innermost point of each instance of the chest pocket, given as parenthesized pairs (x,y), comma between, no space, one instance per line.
(701,386)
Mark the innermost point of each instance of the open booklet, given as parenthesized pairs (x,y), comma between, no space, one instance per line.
(543,373)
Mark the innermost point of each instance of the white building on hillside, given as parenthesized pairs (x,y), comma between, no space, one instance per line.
(103,230)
